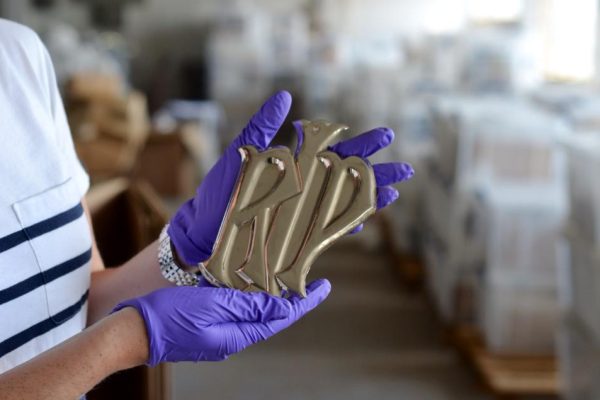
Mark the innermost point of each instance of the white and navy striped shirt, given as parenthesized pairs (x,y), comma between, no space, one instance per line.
(45,241)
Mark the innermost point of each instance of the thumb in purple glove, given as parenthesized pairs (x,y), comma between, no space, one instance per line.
(209,324)
(194,228)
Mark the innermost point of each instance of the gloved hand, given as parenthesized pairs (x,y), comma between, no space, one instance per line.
(193,229)
(386,174)
(190,323)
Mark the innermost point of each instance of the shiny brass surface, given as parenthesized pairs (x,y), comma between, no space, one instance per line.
(285,211)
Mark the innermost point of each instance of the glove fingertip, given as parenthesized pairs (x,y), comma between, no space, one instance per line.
(385,196)
(388,136)
(263,125)
(407,171)
(392,172)
(283,97)
(275,109)
(319,289)
(356,229)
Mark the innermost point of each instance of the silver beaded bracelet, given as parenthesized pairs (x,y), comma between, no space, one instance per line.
(168,267)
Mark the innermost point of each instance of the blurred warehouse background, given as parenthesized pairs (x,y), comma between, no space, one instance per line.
(482,281)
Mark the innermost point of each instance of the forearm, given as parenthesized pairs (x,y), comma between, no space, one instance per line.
(138,276)
(74,367)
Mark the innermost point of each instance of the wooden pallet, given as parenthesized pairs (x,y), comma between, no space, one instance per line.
(508,377)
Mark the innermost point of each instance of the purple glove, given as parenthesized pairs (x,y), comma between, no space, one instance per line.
(189,323)
(386,174)
(193,229)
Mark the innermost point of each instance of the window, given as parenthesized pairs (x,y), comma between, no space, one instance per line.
(570,42)
(494,11)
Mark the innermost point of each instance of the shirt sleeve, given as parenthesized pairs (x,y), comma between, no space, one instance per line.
(63,132)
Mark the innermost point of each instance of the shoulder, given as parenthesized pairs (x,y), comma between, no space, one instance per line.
(25,59)
(15,34)
(22,49)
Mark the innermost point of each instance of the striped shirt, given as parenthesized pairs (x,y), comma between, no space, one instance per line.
(45,240)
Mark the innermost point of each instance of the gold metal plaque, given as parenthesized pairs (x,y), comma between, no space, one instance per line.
(284,211)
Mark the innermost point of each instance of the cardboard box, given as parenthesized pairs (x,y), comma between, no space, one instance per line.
(94,86)
(109,125)
(168,162)
(109,135)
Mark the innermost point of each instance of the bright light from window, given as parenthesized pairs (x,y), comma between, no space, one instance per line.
(495,10)
(446,17)
(571,42)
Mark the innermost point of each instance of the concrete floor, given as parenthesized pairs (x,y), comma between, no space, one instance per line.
(370,340)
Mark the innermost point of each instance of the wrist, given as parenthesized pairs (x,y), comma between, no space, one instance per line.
(125,333)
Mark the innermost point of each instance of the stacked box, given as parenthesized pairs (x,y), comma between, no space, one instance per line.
(500,140)
(455,238)
(433,255)
(519,302)
(583,154)
(523,230)
(580,283)
(579,354)
(413,144)
(579,105)
(495,201)
(580,286)
(519,315)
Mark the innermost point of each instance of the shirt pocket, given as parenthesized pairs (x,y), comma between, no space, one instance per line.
(59,236)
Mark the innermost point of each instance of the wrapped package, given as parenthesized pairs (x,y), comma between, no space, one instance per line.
(523,230)
(519,297)
(498,139)
(580,284)
(579,356)
(583,158)
(494,200)
(519,313)
(454,247)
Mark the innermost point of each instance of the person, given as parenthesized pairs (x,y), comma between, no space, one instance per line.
(66,322)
